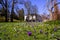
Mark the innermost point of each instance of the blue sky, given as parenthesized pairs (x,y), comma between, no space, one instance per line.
(41,4)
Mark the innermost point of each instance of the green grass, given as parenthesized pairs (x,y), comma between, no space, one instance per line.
(18,31)
(56,22)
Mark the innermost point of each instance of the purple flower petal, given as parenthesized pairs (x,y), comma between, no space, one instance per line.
(41,31)
(29,33)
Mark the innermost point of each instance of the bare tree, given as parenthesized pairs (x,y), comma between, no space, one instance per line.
(28,6)
(53,14)
(34,10)
(13,5)
(55,10)
(5,7)
(12,11)
(21,14)
(49,4)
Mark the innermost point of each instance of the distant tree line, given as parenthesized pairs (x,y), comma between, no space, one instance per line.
(5,9)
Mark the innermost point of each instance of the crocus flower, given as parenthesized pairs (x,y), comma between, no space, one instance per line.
(55,29)
(41,31)
(29,33)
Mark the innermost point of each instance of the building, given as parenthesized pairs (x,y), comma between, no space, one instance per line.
(33,18)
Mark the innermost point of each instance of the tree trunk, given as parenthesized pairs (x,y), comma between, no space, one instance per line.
(12,17)
(12,11)
(51,15)
(6,16)
(55,11)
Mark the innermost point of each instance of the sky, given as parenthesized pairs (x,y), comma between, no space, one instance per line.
(41,4)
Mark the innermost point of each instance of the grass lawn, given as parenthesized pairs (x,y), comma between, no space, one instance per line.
(29,31)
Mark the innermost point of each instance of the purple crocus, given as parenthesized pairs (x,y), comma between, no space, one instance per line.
(29,33)
(55,29)
(41,31)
